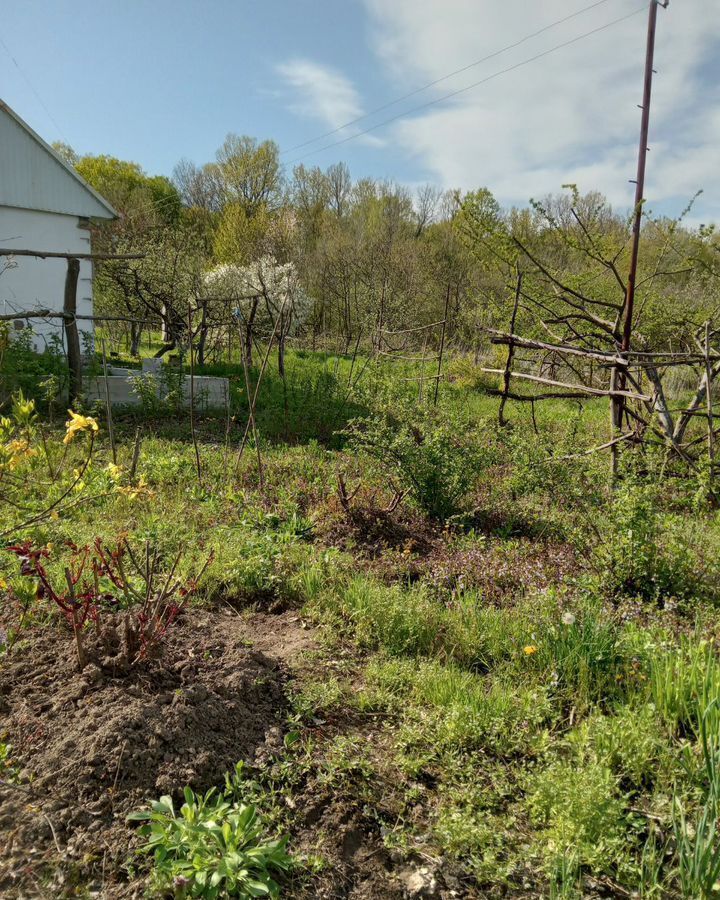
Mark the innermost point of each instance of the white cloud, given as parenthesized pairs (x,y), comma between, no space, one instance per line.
(571,116)
(322,93)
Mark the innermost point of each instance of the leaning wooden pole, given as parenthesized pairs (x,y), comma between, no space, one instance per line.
(618,376)
(511,352)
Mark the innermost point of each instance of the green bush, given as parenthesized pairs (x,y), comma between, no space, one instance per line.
(39,376)
(645,553)
(437,456)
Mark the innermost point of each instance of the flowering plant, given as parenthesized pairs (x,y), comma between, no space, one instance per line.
(36,477)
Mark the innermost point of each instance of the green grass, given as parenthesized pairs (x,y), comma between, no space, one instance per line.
(541,741)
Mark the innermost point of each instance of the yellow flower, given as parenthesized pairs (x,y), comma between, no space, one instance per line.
(114,471)
(16,450)
(77,423)
(530,649)
(133,491)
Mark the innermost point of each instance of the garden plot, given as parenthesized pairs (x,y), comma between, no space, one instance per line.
(95,746)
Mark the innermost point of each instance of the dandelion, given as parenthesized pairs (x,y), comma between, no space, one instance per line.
(530,649)
(568,618)
(77,423)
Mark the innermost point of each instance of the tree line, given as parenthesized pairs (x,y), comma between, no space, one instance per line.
(240,249)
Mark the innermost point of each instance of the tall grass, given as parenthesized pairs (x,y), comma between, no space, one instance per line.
(685,685)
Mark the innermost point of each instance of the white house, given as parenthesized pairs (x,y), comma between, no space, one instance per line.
(46,206)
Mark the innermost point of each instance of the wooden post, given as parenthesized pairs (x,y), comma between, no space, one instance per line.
(192,396)
(108,405)
(72,336)
(709,403)
(510,354)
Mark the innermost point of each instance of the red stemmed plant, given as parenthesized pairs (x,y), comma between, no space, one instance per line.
(129,600)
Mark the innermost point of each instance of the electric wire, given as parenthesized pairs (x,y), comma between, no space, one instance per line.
(430,84)
(32,88)
(469,87)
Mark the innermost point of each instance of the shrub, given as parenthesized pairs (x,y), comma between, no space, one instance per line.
(214,847)
(645,553)
(436,458)
(35,476)
(129,602)
(41,376)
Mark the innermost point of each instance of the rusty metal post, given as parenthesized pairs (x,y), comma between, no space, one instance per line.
(618,380)
(640,180)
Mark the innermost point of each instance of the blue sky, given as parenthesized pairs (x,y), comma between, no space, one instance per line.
(154,81)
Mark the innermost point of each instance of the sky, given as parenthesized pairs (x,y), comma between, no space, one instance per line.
(155,81)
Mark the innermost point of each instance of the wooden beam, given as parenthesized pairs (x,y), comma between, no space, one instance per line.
(500,337)
(47,254)
(597,392)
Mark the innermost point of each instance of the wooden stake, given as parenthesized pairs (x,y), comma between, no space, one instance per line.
(192,399)
(708,398)
(111,431)
(510,353)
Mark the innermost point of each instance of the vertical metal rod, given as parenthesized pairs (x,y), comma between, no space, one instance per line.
(617,376)
(442,345)
(640,180)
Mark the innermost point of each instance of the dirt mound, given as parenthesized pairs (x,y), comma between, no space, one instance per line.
(93,747)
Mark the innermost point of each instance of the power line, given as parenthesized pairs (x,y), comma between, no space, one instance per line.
(430,84)
(469,87)
(32,88)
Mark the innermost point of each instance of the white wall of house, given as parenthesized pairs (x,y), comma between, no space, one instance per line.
(40,283)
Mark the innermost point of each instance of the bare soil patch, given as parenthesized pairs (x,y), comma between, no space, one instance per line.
(403,544)
(93,747)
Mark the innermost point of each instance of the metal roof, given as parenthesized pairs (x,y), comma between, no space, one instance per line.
(34,176)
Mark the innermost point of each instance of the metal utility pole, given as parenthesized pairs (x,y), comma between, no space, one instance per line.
(619,379)
(640,180)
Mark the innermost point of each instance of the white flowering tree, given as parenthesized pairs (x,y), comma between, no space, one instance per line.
(266,297)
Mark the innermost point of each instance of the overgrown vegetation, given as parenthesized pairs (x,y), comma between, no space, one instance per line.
(553,736)
(492,669)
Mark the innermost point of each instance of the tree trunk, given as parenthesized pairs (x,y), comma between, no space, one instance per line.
(202,337)
(135,338)
(281,355)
